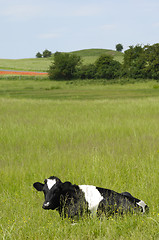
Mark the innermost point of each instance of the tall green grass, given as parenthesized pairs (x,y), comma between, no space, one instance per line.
(41,88)
(111,143)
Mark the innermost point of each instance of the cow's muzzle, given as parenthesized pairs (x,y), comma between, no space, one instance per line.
(46,205)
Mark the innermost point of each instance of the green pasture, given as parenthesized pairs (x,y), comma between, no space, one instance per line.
(27,64)
(42,64)
(35,87)
(104,135)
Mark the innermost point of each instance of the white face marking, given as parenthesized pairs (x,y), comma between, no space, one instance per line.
(142,204)
(50,183)
(92,195)
(47,204)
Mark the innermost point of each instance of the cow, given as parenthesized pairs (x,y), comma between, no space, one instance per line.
(72,200)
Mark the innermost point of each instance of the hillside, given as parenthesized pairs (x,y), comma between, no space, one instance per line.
(90,55)
(42,64)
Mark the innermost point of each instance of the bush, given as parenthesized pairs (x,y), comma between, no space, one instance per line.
(67,66)
(152,61)
(86,72)
(107,68)
(142,62)
(64,66)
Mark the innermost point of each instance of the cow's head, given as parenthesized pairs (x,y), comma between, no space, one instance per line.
(52,190)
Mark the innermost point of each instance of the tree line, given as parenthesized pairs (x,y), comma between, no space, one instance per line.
(45,54)
(138,62)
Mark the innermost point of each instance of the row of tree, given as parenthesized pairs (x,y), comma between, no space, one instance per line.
(45,54)
(68,66)
(139,62)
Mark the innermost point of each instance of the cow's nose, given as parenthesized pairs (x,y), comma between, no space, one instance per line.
(46,205)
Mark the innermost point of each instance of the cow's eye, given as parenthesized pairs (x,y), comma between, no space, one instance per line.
(45,181)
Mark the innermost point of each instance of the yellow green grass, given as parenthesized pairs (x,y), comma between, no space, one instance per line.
(27,64)
(110,142)
(42,88)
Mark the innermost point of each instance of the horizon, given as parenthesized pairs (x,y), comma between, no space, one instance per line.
(28,27)
(62,52)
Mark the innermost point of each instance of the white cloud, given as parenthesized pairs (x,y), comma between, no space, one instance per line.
(108,27)
(87,10)
(21,11)
(48,35)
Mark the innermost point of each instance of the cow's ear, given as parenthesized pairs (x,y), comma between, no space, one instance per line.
(38,186)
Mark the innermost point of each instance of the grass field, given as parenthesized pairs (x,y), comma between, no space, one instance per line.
(27,64)
(42,64)
(39,87)
(105,135)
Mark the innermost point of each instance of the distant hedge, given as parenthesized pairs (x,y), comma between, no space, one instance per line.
(140,62)
(68,66)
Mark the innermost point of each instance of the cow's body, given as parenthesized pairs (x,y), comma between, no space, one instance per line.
(73,200)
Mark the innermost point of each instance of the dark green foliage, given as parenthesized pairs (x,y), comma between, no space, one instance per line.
(39,55)
(47,53)
(86,72)
(107,68)
(152,61)
(104,68)
(142,62)
(64,66)
(119,47)
(132,54)
(134,62)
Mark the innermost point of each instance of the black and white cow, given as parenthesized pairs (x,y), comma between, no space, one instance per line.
(73,200)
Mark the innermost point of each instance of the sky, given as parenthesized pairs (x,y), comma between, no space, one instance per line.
(31,26)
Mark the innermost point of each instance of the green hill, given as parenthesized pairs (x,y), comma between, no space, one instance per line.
(96,52)
(42,64)
(90,55)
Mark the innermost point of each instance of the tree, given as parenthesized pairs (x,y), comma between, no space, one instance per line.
(107,68)
(86,71)
(142,62)
(152,61)
(134,62)
(64,66)
(119,47)
(47,53)
(38,55)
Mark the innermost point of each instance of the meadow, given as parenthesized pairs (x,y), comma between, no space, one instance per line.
(104,135)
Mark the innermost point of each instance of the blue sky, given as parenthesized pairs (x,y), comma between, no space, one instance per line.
(29,26)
